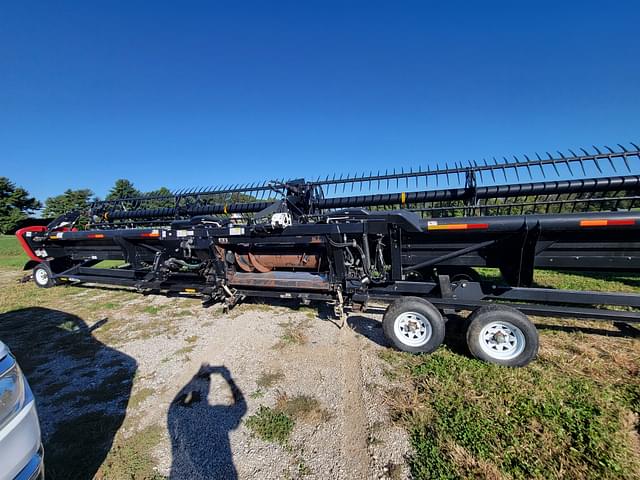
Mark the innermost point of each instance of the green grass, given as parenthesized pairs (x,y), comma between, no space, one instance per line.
(573,413)
(132,458)
(270,424)
(276,424)
(11,253)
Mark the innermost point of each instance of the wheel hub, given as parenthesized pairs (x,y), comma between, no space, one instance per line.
(502,340)
(42,277)
(412,329)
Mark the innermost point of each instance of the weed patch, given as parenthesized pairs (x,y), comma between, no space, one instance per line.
(131,458)
(293,333)
(302,407)
(270,425)
(269,379)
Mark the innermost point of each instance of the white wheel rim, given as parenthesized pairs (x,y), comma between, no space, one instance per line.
(502,340)
(412,329)
(42,277)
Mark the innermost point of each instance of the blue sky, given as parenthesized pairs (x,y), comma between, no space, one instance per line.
(199,93)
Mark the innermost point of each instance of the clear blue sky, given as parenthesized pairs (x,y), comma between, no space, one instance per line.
(200,93)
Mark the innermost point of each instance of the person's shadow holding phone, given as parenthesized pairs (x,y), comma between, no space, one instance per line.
(200,432)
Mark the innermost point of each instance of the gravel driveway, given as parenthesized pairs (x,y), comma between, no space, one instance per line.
(109,366)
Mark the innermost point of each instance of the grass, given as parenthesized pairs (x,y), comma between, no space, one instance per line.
(11,253)
(302,407)
(269,379)
(270,424)
(132,458)
(275,424)
(573,413)
(140,396)
(293,333)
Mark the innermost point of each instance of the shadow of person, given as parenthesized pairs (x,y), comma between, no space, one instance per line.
(200,431)
(81,386)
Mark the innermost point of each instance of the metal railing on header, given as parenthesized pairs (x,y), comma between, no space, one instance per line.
(600,180)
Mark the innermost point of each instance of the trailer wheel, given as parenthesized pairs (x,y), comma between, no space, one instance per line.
(413,325)
(502,335)
(42,276)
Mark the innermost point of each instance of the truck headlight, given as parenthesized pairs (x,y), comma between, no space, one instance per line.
(12,389)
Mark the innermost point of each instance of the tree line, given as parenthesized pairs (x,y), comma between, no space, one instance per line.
(16,204)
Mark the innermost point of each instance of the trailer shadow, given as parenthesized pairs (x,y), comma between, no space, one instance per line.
(199,431)
(624,330)
(82,386)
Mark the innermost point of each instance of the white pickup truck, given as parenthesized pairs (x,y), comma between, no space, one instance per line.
(21,454)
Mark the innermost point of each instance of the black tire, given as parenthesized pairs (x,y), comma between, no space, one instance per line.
(517,344)
(460,274)
(422,322)
(42,276)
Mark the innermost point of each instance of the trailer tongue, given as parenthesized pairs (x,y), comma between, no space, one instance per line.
(416,247)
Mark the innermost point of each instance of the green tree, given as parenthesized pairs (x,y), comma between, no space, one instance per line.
(70,200)
(123,188)
(15,205)
(160,202)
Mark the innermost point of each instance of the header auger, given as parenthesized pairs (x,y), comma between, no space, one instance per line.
(410,238)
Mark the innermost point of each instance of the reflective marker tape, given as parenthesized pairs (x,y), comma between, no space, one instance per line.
(457,226)
(607,223)
(95,235)
(403,198)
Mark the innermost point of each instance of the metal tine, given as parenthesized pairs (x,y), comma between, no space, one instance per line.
(378,180)
(515,166)
(540,165)
(397,179)
(613,165)
(446,168)
(595,160)
(624,157)
(335,185)
(407,177)
(417,176)
(386,174)
(528,166)
(493,174)
(458,168)
(584,172)
(566,161)
(426,178)
(436,174)
(499,167)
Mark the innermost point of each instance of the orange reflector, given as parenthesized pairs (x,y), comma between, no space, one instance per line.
(190,290)
(458,226)
(95,235)
(607,223)
(150,234)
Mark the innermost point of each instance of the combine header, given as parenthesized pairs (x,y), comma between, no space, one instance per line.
(409,238)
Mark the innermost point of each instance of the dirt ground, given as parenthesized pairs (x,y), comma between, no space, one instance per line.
(145,386)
